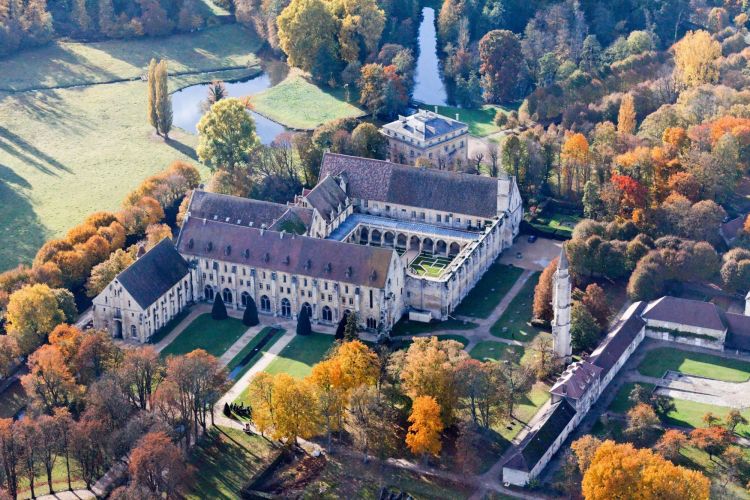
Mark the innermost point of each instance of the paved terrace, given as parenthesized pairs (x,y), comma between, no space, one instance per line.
(384,224)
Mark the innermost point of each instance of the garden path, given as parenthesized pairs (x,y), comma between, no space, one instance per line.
(699,389)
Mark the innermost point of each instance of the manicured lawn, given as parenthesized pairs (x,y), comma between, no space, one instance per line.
(534,400)
(481,121)
(248,349)
(621,403)
(300,104)
(490,350)
(298,357)
(426,265)
(59,479)
(690,414)
(226,461)
(406,327)
(515,323)
(12,400)
(489,291)
(658,361)
(715,469)
(557,223)
(215,337)
(68,152)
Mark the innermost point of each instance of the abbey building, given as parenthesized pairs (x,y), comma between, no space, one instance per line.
(372,237)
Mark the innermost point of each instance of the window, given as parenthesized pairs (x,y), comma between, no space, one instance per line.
(244,299)
(372,323)
(133,331)
(208,292)
(370,299)
(286,308)
(265,304)
(327,314)
(309,309)
(438,217)
(227,296)
(330,298)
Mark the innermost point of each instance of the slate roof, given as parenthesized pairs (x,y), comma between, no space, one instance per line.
(620,337)
(424,125)
(326,197)
(153,274)
(685,312)
(317,258)
(576,380)
(297,217)
(377,180)
(738,336)
(535,446)
(234,209)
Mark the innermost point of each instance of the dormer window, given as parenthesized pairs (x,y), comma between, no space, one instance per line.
(191,243)
(328,267)
(308,264)
(228,250)
(247,253)
(266,257)
(209,246)
(286,260)
(349,272)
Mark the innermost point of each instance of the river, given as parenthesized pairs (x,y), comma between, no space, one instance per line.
(428,82)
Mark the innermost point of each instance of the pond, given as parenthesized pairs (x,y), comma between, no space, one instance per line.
(188,103)
(428,82)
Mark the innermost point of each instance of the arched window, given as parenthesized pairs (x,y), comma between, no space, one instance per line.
(208,292)
(244,299)
(227,296)
(327,314)
(286,308)
(133,331)
(372,323)
(309,309)
(265,304)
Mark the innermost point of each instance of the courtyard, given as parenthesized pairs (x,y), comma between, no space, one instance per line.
(206,333)
(429,265)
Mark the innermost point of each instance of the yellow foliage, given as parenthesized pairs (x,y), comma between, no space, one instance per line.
(424,432)
(626,116)
(696,59)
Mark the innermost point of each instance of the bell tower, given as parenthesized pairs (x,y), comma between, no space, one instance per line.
(561,305)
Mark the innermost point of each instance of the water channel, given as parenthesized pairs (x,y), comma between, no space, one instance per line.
(428,82)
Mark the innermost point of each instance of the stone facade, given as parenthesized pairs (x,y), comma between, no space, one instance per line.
(435,138)
(561,307)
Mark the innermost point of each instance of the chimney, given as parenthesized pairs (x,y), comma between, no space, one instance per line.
(436,109)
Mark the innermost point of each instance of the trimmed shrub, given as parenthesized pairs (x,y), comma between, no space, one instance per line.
(250,316)
(303,323)
(219,310)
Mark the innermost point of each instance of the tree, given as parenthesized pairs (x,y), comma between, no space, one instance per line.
(64,425)
(423,436)
(733,419)
(639,394)
(670,444)
(710,419)
(327,379)
(139,372)
(362,23)
(585,449)
(10,454)
(642,423)
(544,362)
(517,380)
(501,63)
(226,136)
(712,440)
(47,445)
(368,142)
(157,465)
(155,233)
(294,409)
(595,301)
(96,354)
(626,120)
(372,422)
(307,34)
(103,273)
(341,327)
(622,471)
(163,99)
(584,330)
(351,329)
(154,19)
(469,440)
(28,433)
(303,322)
(49,382)
(575,158)
(696,59)
(219,310)
(542,308)
(735,463)
(250,316)
(261,397)
(153,117)
(482,390)
(8,354)
(382,90)
(32,313)
(87,447)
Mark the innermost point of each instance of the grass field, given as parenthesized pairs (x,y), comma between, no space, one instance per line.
(406,327)
(658,361)
(215,337)
(489,291)
(517,317)
(227,460)
(249,347)
(621,403)
(298,357)
(690,414)
(68,152)
(430,266)
(557,224)
(481,121)
(300,104)
(59,479)
(534,400)
(489,350)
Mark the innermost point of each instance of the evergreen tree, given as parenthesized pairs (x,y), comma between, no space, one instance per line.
(219,310)
(342,326)
(303,323)
(163,100)
(351,330)
(153,118)
(250,316)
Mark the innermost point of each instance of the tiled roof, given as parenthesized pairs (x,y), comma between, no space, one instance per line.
(424,125)
(327,197)
(685,312)
(620,337)
(317,258)
(377,180)
(576,380)
(234,209)
(153,274)
(738,336)
(295,220)
(536,445)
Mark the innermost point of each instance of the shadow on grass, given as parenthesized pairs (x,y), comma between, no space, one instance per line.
(182,148)
(23,232)
(16,146)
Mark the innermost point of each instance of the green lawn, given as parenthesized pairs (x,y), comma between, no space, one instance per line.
(226,461)
(298,357)
(68,152)
(249,347)
(59,479)
(489,291)
(658,361)
(557,224)
(621,403)
(690,414)
(406,327)
(481,121)
(516,320)
(534,400)
(431,266)
(215,337)
(300,104)
(487,350)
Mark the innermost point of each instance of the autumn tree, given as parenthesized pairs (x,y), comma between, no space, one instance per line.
(696,59)
(575,163)
(372,422)
(294,409)
(63,427)
(670,444)
(103,273)
(88,449)
(226,135)
(584,449)
(584,329)
(368,142)
(96,354)
(542,307)
(326,379)
(10,454)
(157,465)
(517,380)
(359,364)
(423,436)
(308,32)
(32,313)
(9,353)
(544,362)
(260,395)
(501,63)
(155,233)
(713,440)
(626,120)
(641,473)
(49,382)
(140,371)
(733,419)
(362,23)
(642,423)
(595,301)
(163,99)
(28,434)
(47,445)
(151,85)
(382,90)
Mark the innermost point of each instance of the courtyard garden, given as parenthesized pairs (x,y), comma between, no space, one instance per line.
(312,105)
(206,333)
(515,323)
(489,291)
(431,266)
(658,361)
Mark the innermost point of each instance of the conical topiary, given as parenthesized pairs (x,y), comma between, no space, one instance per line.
(250,317)
(342,326)
(303,323)
(219,310)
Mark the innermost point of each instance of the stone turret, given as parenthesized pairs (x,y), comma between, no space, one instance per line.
(561,305)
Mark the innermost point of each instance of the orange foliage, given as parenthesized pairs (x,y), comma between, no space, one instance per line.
(424,432)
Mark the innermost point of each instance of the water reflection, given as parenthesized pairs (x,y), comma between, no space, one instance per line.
(429,87)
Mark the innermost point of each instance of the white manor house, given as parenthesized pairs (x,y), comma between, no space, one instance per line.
(372,237)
